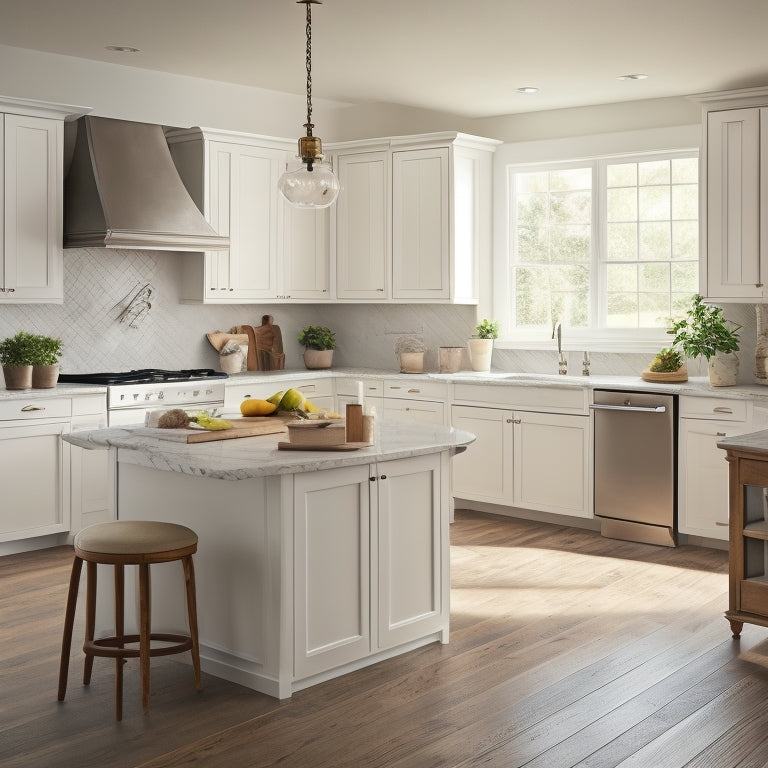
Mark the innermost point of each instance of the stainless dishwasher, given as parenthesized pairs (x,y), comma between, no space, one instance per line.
(635,478)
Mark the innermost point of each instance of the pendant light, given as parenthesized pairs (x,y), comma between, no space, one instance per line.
(314,184)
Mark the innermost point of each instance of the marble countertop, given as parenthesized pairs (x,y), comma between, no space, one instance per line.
(756,442)
(60,390)
(248,457)
(695,386)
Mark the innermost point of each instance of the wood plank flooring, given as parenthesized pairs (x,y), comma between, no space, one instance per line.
(566,649)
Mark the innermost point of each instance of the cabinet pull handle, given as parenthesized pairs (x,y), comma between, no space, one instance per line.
(720,434)
(758,285)
(722,524)
(414,390)
(33,408)
(722,409)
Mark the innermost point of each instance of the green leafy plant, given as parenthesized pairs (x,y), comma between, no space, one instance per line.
(667,360)
(317,337)
(487,330)
(704,331)
(46,350)
(18,349)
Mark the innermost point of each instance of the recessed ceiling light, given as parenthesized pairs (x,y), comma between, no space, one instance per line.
(527,89)
(122,48)
(636,76)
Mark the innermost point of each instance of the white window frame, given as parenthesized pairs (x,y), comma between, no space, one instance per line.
(550,154)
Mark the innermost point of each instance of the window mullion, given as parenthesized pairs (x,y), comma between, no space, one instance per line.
(600,240)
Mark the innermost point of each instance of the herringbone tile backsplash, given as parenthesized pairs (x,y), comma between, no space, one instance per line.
(98,284)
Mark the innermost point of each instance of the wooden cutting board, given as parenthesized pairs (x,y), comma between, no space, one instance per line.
(265,346)
(243,427)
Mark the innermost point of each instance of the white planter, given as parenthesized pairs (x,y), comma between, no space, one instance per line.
(480,352)
(723,369)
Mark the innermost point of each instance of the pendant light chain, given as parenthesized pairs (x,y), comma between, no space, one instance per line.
(309,125)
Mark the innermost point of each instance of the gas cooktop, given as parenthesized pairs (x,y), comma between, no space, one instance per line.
(142,376)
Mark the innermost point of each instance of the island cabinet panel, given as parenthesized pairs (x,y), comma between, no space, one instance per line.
(332,513)
(411,597)
(368,563)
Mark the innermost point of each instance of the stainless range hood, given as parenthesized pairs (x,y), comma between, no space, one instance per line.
(122,190)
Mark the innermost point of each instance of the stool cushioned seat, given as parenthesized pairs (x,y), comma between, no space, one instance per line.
(134,537)
(120,543)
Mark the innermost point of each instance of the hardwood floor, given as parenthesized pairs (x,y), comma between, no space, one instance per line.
(566,649)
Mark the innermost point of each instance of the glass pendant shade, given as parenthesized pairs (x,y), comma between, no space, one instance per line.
(303,188)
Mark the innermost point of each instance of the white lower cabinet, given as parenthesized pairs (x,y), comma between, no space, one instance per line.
(484,471)
(537,461)
(369,574)
(551,463)
(34,468)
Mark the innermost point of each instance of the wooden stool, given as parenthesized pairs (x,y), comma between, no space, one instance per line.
(121,543)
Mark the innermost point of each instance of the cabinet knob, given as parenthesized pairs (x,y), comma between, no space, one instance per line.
(383,477)
(32,408)
(372,479)
(510,421)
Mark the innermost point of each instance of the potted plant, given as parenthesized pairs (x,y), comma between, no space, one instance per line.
(705,332)
(410,354)
(319,343)
(46,352)
(16,358)
(667,365)
(481,345)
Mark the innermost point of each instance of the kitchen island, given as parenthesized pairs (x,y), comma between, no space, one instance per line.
(310,564)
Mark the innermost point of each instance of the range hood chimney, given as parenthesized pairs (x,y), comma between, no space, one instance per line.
(122,190)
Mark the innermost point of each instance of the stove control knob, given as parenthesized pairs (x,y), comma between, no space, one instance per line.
(161,395)
(148,396)
(196,393)
(136,396)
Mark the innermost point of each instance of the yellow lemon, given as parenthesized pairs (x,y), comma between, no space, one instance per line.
(252,406)
(310,407)
(276,398)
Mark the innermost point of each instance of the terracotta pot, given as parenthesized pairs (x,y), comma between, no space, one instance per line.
(723,369)
(480,352)
(18,376)
(45,376)
(318,358)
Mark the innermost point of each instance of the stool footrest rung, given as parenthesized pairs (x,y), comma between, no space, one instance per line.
(111,647)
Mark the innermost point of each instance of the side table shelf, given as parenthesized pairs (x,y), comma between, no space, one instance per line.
(748,526)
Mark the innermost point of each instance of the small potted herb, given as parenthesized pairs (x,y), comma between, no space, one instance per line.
(319,343)
(45,362)
(481,345)
(16,357)
(705,332)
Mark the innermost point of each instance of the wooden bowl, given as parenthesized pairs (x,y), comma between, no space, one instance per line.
(681,374)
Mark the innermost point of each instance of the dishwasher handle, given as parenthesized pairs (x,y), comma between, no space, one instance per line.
(638,408)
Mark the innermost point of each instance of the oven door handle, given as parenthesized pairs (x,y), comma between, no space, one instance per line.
(637,408)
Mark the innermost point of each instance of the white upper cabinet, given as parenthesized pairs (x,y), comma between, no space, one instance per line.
(276,253)
(734,186)
(31,201)
(413,219)
(362,242)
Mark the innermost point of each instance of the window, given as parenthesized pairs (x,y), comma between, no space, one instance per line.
(608,247)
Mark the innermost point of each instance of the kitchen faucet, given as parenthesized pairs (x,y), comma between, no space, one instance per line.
(562,362)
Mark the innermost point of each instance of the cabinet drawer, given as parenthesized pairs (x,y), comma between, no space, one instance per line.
(754,596)
(89,404)
(713,408)
(314,387)
(416,390)
(525,398)
(350,386)
(35,408)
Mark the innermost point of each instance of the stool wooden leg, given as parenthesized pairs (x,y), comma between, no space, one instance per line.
(90,620)
(119,634)
(144,632)
(69,620)
(189,579)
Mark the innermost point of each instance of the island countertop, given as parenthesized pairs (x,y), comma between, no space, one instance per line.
(250,457)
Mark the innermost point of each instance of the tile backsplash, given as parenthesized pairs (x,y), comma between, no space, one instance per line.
(98,284)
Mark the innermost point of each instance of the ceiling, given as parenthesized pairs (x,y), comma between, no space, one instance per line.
(465,58)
